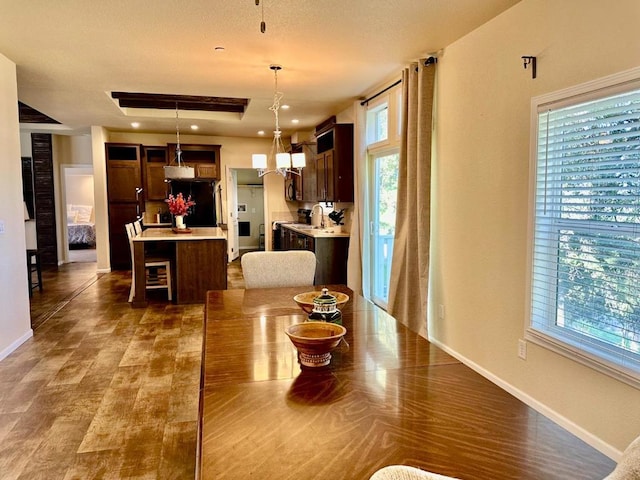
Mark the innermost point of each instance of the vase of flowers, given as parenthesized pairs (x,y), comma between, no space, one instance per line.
(179,208)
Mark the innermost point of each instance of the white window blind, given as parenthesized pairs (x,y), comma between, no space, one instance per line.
(585,285)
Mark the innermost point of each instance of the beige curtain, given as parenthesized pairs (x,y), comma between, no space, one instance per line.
(356,268)
(410,265)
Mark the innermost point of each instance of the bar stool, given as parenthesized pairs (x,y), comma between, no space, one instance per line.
(154,280)
(33,265)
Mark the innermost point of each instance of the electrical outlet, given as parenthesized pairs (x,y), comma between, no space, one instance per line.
(522,349)
(1,227)
(441,312)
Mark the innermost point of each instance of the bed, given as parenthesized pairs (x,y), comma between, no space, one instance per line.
(81,231)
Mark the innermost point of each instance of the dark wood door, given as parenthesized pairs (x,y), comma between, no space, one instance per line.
(126,197)
(119,215)
(321,178)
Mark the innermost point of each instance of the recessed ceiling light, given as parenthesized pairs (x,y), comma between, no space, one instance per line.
(194,127)
(218,49)
(260,132)
(135,124)
(295,120)
(284,107)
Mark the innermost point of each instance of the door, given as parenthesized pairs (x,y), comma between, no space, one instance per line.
(125,192)
(382,205)
(232,207)
(77,184)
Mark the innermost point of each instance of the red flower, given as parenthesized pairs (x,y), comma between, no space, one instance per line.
(178,205)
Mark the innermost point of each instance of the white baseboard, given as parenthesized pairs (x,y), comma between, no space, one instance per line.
(103,270)
(7,351)
(539,407)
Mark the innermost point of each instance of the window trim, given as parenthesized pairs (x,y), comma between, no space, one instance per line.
(595,89)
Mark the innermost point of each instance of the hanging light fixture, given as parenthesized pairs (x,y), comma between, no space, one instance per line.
(179,170)
(285,162)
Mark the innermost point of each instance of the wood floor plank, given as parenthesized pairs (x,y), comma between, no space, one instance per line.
(178,448)
(107,430)
(102,465)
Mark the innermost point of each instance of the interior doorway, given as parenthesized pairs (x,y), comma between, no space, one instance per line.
(245,200)
(79,234)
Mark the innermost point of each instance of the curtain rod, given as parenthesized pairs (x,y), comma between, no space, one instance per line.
(367,100)
(428,61)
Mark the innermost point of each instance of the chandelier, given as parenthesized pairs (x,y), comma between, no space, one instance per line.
(179,170)
(284,161)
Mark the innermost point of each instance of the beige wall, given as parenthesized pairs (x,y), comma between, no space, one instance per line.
(15,321)
(480,186)
(235,153)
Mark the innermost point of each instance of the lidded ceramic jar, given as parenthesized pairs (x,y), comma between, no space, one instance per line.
(325,308)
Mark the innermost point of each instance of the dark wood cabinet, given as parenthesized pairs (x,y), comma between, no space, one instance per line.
(331,254)
(302,187)
(126,196)
(155,159)
(205,159)
(209,259)
(334,163)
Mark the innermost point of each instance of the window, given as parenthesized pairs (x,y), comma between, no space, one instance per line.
(377,123)
(585,275)
(383,152)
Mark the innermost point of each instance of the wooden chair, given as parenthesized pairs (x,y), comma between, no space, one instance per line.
(290,268)
(33,255)
(137,226)
(158,269)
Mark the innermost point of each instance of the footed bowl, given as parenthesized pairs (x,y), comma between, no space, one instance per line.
(314,341)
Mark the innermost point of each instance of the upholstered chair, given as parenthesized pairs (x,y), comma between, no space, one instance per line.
(289,268)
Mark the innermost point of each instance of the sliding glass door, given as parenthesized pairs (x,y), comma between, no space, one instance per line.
(382,207)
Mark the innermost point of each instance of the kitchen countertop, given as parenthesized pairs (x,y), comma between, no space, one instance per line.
(197,233)
(314,232)
(155,224)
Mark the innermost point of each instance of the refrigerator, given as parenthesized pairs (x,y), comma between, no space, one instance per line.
(203,213)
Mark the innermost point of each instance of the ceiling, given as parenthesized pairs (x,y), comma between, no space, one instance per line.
(72,54)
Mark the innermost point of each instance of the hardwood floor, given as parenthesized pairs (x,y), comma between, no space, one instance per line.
(105,391)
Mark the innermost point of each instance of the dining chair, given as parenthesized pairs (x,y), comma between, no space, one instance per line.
(33,254)
(156,278)
(289,268)
(628,468)
(137,226)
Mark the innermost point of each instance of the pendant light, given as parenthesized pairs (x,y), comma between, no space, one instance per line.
(285,162)
(179,170)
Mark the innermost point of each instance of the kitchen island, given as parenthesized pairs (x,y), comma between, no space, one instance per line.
(200,262)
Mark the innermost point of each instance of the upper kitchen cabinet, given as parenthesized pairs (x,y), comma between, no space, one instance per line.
(204,158)
(302,187)
(123,172)
(155,159)
(334,162)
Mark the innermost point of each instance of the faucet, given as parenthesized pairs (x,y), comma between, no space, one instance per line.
(321,213)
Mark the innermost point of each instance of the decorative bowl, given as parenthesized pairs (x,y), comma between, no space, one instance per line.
(305,300)
(314,341)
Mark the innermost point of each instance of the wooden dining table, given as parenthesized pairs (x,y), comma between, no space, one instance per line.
(389,397)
